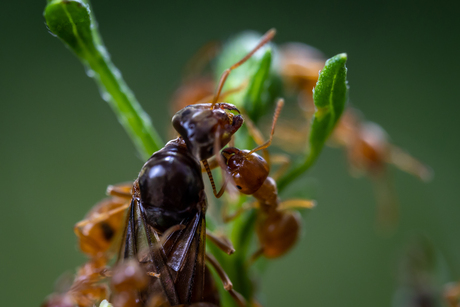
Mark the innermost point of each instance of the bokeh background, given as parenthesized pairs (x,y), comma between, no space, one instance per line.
(61,145)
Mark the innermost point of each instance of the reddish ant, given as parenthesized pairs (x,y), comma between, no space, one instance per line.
(367,146)
(86,289)
(277,226)
(452,294)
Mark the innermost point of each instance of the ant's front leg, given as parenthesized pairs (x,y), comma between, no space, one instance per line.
(211,179)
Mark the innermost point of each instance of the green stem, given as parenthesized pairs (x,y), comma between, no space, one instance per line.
(295,172)
(127,109)
(73,22)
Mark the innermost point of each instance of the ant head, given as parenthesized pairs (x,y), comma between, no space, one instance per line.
(204,125)
(248,169)
(209,126)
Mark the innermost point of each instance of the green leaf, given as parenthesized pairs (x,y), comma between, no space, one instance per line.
(253,101)
(330,96)
(73,22)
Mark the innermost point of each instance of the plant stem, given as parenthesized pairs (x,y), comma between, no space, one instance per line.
(74,23)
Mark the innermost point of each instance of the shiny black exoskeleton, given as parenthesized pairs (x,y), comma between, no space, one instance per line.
(170,185)
(169,194)
(199,124)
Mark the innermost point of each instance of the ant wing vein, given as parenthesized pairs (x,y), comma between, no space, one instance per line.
(186,256)
(139,233)
(177,251)
(180,261)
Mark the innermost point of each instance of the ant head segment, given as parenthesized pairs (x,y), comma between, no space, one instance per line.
(203,126)
(248,170)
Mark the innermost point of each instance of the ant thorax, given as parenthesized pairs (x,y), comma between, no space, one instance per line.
(267,195)
(203,126)
(170,185)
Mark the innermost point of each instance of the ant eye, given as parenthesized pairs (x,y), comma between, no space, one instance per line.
(260,158)
(239,188)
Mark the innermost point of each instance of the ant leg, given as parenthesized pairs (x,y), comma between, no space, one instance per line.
(221,242)
(257,136)
(284,162)
(211,179)
(153,274)
(208,99)
(225,280)
(256,255)
(296,204)
(227,217)
(254,132)
(232,142)
(279,106)
(452,294)
(196,64)
(409,164)
(387,216)
(122,190)
(212,162)
(265,39)
(231,188)
(98,217)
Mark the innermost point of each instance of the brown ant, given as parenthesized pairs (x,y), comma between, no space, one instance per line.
(367,146)
(452,294)
(86,288)
(97,235)
(277,226)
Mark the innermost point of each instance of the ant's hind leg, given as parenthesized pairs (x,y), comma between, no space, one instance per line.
(225,280)
(198,62)
(222,242)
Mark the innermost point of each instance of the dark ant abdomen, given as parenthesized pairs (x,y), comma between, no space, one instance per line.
(170,185)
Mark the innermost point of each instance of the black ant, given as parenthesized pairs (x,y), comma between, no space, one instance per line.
(168,203)
(165,230)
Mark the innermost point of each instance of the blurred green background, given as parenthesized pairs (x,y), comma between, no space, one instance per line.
(61,145)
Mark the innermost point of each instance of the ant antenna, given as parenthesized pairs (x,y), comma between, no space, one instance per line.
(279,106)
(265,39)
